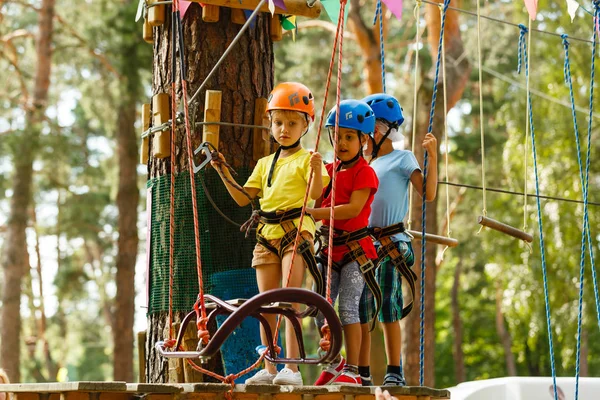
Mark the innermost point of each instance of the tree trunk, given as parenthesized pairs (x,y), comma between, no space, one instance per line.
(245,75)
(127,202)
(14,260)
(456,79)
(505,338)
(457,350)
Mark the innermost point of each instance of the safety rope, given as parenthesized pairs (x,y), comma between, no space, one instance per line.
(424,202)
(527,80)
(335,151)
(326,339)
(417,14)
(379,13)
(446,143)
(481,120)
(523,55)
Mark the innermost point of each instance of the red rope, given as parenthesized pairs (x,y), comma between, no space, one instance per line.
(335,150)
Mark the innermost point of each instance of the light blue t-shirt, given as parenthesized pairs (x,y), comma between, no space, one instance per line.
(390,204)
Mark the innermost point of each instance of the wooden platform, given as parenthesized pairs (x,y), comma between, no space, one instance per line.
(207,391)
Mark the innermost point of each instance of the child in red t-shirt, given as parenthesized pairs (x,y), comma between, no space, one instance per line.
(356,184)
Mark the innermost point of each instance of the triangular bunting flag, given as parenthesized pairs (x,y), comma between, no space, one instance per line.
(272,7)
(332,8)
(288,22)
(531,6)
(248,13)
(572,7)
(280,4)
(395,6)
(183,7)
(140,10)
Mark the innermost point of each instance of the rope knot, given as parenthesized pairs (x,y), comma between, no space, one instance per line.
(325,342)
(203,333)
(522,47)
(249,224)
(170,343)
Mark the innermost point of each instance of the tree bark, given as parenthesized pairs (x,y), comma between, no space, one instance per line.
(505,338)
(456,78)
(14,259)
(457,350)
(245,75)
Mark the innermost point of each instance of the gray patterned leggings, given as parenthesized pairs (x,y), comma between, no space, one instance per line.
(348,284)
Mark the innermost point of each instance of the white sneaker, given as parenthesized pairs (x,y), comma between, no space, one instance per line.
(288,377)
(262,377)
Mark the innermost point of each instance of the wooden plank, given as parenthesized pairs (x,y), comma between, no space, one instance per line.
(161,142)
(260,137)
(29,396)
(212,113)
(145,141)
(237,16)
(275,29)
(293,7)
(156,14)
(114,396)
(147,32)
(141,344)
(210,13)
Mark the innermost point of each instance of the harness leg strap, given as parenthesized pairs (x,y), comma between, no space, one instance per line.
(367,268)
(388,248)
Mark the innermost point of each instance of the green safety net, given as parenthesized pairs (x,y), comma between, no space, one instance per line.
(226,254)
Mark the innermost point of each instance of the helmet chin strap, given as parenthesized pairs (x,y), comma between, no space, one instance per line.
(377,146)
(340,165)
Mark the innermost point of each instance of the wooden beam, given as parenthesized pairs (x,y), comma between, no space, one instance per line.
(156,14)
(210,13)
(141,344)
(238,16)
(161,142)
(294,7)
(275,29)
(446,241)
(147,32)
(506,229)
(145,141)
(212,113)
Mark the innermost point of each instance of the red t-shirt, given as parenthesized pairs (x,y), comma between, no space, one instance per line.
(359,176)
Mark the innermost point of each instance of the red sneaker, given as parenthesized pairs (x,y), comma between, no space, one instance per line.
(347,379)
(329,373)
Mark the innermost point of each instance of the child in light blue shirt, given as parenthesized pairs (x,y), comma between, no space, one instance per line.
(395,169)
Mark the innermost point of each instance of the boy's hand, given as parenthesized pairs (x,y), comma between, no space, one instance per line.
(430,143)
(316,162)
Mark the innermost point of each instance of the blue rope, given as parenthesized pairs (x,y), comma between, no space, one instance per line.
(424,202)
(523,48)
(587,167)
(585,234)
(379,13)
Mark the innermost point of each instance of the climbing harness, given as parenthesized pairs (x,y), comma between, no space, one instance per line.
(389,249)
(355,254)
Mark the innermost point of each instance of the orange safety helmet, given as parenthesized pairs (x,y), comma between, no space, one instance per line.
(292,96)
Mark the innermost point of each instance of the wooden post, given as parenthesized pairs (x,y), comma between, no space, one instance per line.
(506,229)
(175,374)
(212,113)
(238,16)
(156,14)
(161,142)
(210,13)
(145,141)
(147,32)
(190,341)
(293,7)
(141,344)
(260,143)
(275,29)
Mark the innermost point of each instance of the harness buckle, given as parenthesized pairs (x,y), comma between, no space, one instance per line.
(366,267)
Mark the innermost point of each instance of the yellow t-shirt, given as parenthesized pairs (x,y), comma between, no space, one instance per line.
(288,186)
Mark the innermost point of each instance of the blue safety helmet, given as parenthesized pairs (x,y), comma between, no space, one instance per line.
(385,107)
(354,114)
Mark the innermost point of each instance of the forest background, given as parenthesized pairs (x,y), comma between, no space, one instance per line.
(69,142)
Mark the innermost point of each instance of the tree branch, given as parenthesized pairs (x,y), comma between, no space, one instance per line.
(100,57)
(325,25)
